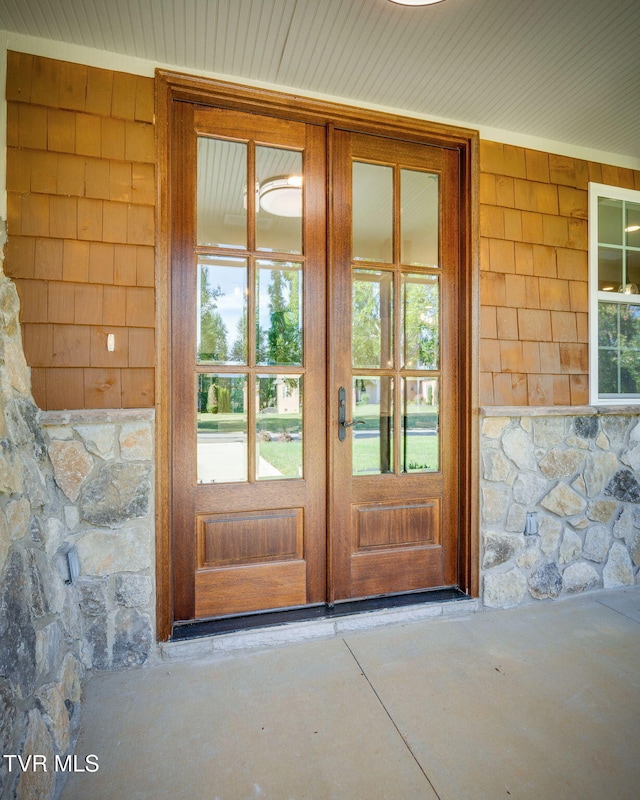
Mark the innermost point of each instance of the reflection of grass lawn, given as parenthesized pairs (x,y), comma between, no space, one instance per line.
(286,457)
(420,417)
(421,453)
(236,423)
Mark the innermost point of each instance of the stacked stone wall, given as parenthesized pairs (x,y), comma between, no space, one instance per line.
(40,665)
(560,503)
(103,463)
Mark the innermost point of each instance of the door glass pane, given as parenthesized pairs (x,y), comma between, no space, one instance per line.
(372,212)
(372,441)
(279,424)
(609,269)
(279,200)
(633,271)
(609,221)
(632,224)
(419,218)
(279,313)
(421,321)
(618,348)
(221,335)
(222,428)
(420,448)
(372,319)
(222,186)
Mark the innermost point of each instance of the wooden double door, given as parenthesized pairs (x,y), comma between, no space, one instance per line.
(314,363)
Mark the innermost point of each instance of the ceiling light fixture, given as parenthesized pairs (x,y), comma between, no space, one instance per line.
(632,229)
(282,196)
(416,2)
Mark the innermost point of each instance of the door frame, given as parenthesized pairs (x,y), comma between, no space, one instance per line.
(171,87)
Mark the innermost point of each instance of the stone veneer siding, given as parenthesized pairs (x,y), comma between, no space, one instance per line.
(103,463)
(578,471)
(40,639)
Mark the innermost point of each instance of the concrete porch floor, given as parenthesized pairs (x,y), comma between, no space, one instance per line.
(538,702)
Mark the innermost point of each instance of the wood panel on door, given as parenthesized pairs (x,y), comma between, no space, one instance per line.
(248,362)
(394,352)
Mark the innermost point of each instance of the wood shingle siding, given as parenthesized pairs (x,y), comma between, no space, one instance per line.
(81,219)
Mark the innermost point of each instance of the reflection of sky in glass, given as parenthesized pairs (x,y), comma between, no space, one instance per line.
(230,276)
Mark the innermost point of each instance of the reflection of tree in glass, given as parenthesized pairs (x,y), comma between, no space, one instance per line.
(281,343)
(422,330)
(221,395)
(238,351)
(366,323)
(218,398)
(268,395)
(213,332)
(619,346)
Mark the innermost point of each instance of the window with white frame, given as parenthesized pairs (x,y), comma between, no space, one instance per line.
(614,294)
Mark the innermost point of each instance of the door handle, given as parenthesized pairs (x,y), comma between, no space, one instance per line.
(342,415)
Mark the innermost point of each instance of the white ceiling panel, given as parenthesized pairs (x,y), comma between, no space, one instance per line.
(563,70)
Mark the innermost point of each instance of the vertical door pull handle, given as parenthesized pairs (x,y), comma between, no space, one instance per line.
(342,415)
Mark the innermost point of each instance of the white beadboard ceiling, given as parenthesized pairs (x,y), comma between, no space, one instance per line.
(562,70)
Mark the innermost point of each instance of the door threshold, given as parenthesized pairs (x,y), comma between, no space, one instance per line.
(184,631)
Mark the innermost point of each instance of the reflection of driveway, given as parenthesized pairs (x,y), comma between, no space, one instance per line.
(225,459)
(214,436)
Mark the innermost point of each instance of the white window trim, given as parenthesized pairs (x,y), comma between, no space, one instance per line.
(597,190)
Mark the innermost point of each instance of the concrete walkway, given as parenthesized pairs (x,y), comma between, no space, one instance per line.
(537,703)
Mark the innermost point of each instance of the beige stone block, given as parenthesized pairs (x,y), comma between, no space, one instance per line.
(16,368)
(105,553)
(504,590)
(70,678)
(98,439)
(530,557)
(518,447)
(602,510)
(563,501)
(559,463)
(550,531)
(495,466)
(11,473)
(571,547)
(548,431)
(580,577)
(55,713)
(36,784)
(18,514)
(136,443)
(72,464)
(492,427)
(618,571)
(495,500)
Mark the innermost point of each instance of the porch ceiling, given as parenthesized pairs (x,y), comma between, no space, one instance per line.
(565,71)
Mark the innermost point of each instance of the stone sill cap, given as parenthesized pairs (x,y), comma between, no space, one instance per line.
(96,416)
(558,411)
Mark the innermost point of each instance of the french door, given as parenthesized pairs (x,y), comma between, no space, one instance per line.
(394,475)
(314,364)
